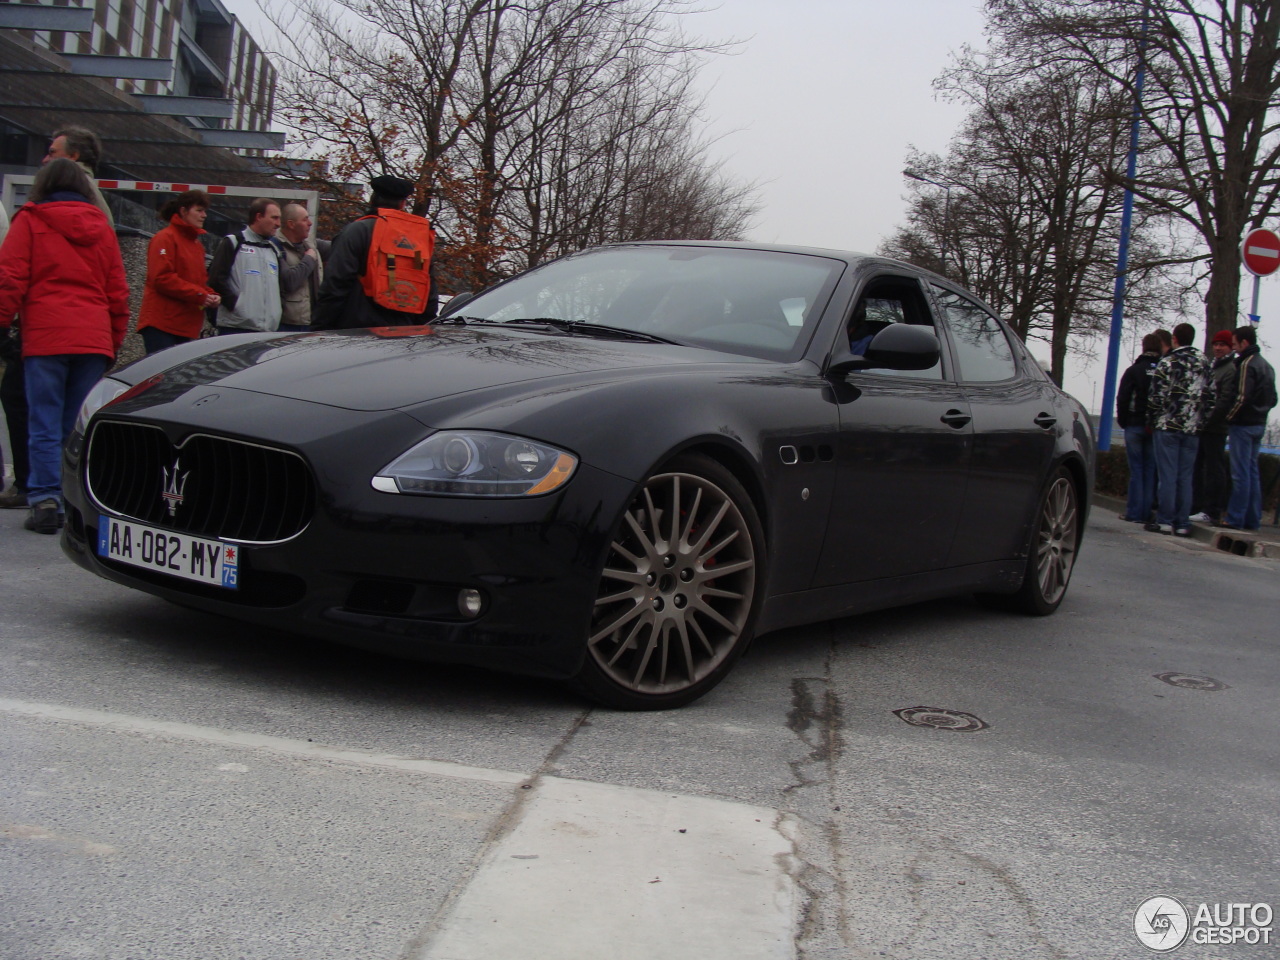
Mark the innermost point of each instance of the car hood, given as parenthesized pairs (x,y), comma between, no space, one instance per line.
(394,367)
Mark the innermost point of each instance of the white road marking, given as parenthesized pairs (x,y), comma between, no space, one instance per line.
(586,871)
(595,871)
(303,749)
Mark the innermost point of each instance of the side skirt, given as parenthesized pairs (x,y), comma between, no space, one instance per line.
(830,603)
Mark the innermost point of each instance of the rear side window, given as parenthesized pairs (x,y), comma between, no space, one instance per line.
(983,353)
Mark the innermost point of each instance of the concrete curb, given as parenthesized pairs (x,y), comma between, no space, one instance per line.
(1241,543)
(1199,531)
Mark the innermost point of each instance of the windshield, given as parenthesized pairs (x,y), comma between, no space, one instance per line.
(759,303)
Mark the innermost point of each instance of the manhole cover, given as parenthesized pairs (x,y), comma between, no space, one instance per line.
(1185,680)
(940,719)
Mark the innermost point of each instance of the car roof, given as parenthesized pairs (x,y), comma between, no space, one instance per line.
(852,257)
(848,255)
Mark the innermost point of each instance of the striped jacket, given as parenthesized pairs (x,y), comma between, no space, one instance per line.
(1248,396)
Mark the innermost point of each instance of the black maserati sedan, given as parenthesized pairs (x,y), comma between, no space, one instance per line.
(614,469)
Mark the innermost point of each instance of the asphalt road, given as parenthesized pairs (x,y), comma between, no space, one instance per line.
(180,787)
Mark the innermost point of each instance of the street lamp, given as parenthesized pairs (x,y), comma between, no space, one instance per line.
(946,209)
(1122,255)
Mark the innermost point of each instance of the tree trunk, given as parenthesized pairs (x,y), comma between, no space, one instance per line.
(1222,299)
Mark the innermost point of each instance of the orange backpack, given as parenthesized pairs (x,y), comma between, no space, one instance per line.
(398,274)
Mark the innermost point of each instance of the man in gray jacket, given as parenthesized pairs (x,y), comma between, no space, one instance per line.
(245,272)
(300,269)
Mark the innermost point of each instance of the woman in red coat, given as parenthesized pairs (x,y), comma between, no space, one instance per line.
(60,269)
(177,290)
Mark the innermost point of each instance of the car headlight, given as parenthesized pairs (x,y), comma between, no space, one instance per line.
(103,392)
(470,463)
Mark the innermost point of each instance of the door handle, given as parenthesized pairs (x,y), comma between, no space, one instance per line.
(956,418)
(1045,420)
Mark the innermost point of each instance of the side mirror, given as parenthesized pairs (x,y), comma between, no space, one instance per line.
(900,346)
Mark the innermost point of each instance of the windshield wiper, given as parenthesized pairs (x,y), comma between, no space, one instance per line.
(566,326)
(463,321)
(591,329)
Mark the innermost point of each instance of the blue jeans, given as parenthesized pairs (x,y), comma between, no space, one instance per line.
(155,339)
(1244,509)
(56,387)
(1176,464)
(1140,451)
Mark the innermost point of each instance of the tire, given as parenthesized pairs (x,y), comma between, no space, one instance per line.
(1052,556)
(679,591)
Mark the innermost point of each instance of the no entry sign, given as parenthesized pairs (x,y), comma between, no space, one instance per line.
(1261,252)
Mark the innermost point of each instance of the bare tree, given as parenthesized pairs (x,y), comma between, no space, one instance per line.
(1208,110)
(636,172)
(530,127)
(1034,215)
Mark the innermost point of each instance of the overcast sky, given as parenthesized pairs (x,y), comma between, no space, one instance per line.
(817,104)
(821,102)
(818,107)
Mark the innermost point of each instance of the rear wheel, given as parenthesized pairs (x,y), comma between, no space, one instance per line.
(1053,549)
(679,591)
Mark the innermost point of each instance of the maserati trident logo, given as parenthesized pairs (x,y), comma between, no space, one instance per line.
(174,484)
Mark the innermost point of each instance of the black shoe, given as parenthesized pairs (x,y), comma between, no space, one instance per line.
(44,517)
(13,499)
(1151,527)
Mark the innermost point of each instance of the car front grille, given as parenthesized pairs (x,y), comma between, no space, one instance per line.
(207,486)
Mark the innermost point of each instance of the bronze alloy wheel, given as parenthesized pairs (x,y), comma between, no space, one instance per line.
(1051,554)
(677,595)
(1056,540)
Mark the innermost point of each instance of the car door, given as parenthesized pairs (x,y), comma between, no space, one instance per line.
(902,453)
(1014,430)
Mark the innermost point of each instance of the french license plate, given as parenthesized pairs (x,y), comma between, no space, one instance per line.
(210,562)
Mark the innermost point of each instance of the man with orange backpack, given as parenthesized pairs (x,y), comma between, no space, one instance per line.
(379,271)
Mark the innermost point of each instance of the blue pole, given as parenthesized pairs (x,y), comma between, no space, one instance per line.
(1122,258)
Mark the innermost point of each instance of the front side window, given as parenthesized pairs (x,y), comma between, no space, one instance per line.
(983,354)
(886,301)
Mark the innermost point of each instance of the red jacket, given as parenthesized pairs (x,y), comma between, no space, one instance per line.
(60,268)
(177,282)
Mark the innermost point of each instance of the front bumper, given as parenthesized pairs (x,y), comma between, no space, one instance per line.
(383,571)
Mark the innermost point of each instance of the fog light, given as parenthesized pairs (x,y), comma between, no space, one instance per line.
(470,602)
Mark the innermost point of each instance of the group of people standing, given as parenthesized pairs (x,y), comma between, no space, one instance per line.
(63,288)
(271,276)
(1185,417)
(264,278)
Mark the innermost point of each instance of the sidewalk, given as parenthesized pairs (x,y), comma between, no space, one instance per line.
(1241,543)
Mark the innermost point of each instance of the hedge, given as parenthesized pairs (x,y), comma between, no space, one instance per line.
(1113,475)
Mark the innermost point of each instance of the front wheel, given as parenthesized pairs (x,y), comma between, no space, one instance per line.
(679,591)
